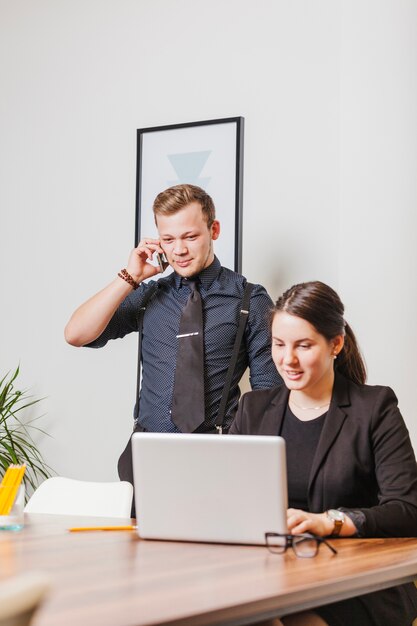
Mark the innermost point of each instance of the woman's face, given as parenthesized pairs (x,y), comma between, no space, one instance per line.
(302,356)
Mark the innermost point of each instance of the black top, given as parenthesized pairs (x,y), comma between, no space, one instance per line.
(301,440)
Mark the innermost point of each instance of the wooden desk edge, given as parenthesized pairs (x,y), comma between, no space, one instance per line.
(262,610)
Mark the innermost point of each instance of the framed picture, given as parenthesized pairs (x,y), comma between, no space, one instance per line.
(208,154)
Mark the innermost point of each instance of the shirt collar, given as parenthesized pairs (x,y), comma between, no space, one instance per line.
(206,277)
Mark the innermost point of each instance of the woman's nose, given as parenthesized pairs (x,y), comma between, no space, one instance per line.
(289,357)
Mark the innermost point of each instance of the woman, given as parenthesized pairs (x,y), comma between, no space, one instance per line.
(351,466)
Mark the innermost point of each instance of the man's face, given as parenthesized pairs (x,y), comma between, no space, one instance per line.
(186,239)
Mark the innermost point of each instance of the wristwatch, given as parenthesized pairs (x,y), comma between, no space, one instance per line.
(338,518)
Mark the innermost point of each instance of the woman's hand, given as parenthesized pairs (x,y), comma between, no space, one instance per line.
(299,522)
(302,522)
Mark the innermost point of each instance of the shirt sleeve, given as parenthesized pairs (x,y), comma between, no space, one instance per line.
(125,319)
(262,371)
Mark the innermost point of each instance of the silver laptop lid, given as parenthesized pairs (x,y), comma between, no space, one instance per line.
(218,488)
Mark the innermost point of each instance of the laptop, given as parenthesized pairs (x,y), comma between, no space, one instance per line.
(210,488)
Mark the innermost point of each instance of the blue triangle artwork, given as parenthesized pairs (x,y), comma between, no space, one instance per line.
(188,167)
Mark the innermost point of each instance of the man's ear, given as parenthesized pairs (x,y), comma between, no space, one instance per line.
(215,230)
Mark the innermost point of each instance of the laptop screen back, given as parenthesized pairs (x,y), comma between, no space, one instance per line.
(216,488)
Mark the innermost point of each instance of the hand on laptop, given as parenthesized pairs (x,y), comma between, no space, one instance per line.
(316,523)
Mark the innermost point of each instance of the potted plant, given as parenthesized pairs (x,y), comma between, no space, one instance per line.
(16,443)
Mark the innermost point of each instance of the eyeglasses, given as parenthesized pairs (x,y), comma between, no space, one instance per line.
(304,546)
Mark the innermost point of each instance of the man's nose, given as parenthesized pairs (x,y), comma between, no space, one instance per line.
(180,248)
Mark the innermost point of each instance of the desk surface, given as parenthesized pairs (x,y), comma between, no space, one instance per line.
(115,579)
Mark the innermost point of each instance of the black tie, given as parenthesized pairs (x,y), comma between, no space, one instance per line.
(188,398)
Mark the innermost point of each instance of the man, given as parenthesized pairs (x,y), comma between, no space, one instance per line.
(185,219)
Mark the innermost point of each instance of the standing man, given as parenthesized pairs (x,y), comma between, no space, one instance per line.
(187,226)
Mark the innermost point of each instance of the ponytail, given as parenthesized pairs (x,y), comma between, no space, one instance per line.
(349,361)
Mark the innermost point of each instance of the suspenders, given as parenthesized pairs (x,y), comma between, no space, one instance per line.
(147,298)
(243,318)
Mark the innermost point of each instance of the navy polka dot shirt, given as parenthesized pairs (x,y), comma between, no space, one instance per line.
(221,292)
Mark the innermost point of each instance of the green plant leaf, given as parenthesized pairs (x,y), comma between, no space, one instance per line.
(16,428)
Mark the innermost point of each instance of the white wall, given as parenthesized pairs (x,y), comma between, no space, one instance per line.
(378,190)
(329,95)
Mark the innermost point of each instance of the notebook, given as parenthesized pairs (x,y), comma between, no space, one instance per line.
(214,488)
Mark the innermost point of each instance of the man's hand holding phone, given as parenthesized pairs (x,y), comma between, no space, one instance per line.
(93,316)
(140,265)
(162,262)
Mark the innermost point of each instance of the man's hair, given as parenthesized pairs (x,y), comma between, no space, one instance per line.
(176,198)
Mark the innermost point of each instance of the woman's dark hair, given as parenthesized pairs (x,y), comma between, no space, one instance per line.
(320,305)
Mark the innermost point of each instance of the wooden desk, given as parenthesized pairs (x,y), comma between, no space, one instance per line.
(115,579)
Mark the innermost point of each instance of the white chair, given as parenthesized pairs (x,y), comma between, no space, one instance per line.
(65,496)
(20,597)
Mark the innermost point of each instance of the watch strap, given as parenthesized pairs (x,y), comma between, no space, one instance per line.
(337,523)
(337,527)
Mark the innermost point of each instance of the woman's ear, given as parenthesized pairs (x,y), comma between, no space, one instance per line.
(338,343)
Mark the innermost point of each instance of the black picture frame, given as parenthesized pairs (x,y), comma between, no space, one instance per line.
(207,153)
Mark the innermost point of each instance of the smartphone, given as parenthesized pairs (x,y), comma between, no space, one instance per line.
(162,262)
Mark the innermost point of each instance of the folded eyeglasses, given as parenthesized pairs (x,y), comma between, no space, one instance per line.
(305,545)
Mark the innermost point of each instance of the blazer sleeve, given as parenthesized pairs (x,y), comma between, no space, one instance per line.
(395,470)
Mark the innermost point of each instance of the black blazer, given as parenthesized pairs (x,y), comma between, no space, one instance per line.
(364,459)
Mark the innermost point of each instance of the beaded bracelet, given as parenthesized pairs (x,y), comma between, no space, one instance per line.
(128,278)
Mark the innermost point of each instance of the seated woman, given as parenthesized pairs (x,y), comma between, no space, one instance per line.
(351,466)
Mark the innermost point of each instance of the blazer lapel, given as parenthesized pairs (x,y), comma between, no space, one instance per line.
(332,424)
(274,414)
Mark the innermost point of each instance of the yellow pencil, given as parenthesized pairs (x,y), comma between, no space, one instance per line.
(77,529)
(7,475)
(6,484)
(12,489)
(9,492)
(3,492)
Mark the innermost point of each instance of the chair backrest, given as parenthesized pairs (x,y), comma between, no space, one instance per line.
(66,496)
(20,597)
